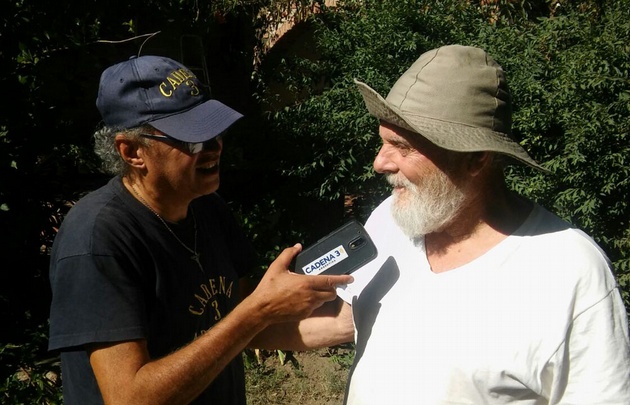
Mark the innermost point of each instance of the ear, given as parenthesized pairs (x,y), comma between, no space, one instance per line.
(130,151)
(478,162)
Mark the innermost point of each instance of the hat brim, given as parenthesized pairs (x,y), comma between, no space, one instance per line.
(448,135)
(200,123)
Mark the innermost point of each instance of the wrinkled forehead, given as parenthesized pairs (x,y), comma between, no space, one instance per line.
(402,138)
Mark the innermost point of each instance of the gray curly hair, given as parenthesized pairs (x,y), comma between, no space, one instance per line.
(105,147)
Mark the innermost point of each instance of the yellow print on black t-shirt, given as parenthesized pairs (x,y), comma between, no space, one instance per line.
(205,299)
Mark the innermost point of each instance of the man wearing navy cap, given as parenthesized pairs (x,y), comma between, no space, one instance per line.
(145,270)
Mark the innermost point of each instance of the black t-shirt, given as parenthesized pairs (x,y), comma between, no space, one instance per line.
(117,274)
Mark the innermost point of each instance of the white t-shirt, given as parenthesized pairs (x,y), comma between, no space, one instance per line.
(538,319)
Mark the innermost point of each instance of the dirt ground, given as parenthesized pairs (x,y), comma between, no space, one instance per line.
(306,378)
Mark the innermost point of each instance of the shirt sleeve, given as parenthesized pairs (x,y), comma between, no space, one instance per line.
(94,300)
(592,366)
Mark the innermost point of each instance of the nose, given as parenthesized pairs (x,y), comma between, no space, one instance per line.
(383,162)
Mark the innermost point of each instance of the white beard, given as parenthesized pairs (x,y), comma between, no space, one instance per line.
(427,206)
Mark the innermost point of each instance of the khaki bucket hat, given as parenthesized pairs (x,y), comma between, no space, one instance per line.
(455,96)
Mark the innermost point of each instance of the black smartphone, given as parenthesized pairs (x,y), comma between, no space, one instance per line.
(342,251)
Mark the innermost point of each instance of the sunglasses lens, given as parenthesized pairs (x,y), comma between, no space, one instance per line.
(195,147)
(212,144)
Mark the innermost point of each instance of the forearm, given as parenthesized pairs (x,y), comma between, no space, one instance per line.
(181,376)
(329,325)
(204,359)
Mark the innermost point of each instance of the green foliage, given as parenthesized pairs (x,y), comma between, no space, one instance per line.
(25,377)
(344,358)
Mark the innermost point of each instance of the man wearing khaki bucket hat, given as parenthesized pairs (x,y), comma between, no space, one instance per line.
(478,295)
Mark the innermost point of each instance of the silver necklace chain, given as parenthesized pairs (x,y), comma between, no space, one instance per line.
(193,252)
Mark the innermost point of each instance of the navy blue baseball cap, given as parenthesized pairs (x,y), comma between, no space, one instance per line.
(163,93)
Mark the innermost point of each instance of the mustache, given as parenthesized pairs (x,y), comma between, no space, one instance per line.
(397,180)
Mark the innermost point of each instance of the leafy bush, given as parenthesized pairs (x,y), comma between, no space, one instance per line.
(29,376)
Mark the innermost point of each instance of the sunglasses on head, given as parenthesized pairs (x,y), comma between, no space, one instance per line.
(190,147)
